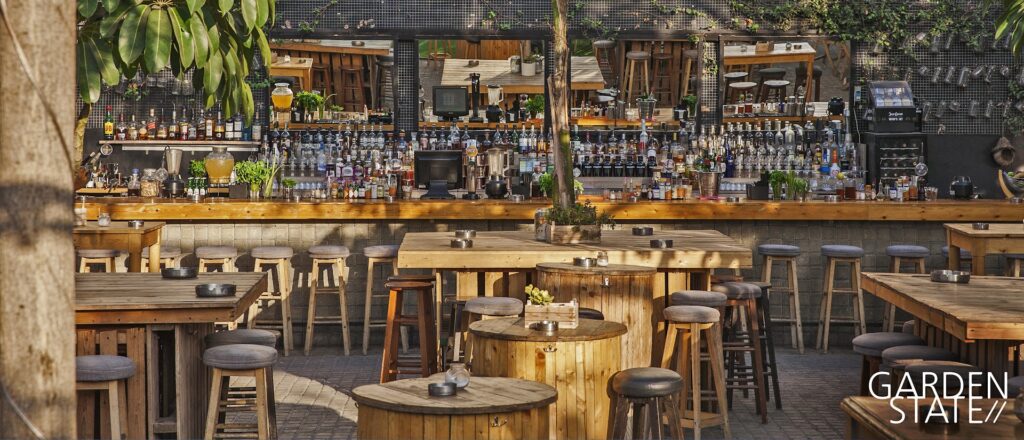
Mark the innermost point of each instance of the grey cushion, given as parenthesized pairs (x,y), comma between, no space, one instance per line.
(327,251)
(638,55)
(964,253)
(761,284)
(165,252)
(265,338)
(383,251)
(841,251)
(646,382)
(778,250)
(272,252)
(908,326)
(903,355)
(216,252)
(240,357)
(698,298)
(917,371)
(98,253)
(907,251)
(872,344)
(494,306)
(604,44)
(771,71)
(691,314)
(738,290)
(1013,386)
(595,314)
(101,368)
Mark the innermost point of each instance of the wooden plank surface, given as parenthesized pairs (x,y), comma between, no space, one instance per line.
(483,395)
(368,47)
(696,249)
(870,418)
(995,230)
(586,75)
(116,228)
(512,329)
(779,49)
(986,308)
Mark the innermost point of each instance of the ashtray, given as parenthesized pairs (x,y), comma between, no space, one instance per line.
(643,230)
(661,244)
(1017,200)
(179,273)
(358,43)
(831,198)
(465,233)
(980,226)
(942,421)
(136,223)
(951,276)
(516,198)
(215,290)
(584,261)
(546,326)
(462,243)
(442,389)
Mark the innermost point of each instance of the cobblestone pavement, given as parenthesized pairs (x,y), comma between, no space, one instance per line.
(313,402)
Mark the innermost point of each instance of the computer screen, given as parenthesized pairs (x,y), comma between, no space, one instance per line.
(451,102)
(443,165)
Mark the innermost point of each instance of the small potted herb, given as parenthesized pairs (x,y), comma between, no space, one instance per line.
(535,105)
(289,187)
(578,223)
(775,181)
(308,103)
(530,64)
(256,174)
(796,187)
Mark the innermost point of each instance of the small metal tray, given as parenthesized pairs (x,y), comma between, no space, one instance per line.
(584,261)
(214,290)
(661,244)
(980,226)
(643,231)
(465,233)
(951,276)
(442,389)
(136,223)
(179,273)
(549,327)
(461,243)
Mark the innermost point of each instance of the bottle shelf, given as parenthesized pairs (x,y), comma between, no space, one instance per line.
(159,145)
(752,119)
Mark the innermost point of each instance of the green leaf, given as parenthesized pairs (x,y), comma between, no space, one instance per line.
(247,102)
(225,6)
(194,5)
(108,25)
(272,11)
(105,61)
(183,35)
(213,31)
(230,63)
(111,5)
(262,12)
(213,73)
(158,41)
(131,40)
(87,7)
(200,40)
(249,10)
(264,46)
(88,74)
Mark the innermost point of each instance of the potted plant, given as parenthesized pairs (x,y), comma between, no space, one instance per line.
(253,173)
(775,180)
(690,101)
(535,105)
(540,306)
(645,103)
(308,103)
(289,187)
(797,187)
(546,182)
(530,64)
(576,223)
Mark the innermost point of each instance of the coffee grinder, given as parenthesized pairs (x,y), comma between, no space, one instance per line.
(472,173)
(474,81)
(174,186)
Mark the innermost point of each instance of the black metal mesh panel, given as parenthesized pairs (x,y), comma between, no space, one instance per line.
(709,85)
(407,80)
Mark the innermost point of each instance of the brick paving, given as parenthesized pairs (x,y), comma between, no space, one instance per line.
(313,401)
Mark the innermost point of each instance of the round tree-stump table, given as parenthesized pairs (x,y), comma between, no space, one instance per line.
(624,293)
(578,362)
(488,408)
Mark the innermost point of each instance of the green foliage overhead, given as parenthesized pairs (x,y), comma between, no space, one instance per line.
(216,38)
(1011,23)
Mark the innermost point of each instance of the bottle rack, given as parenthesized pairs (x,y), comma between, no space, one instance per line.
(191,146)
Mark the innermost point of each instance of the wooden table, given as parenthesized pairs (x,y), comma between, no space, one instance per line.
(870,418)
(999,238)
(578,362)
(301,68)
(735,55)
(120,236)
(159,324)
(981,320)
(489,407)
(349,46)
(585,75)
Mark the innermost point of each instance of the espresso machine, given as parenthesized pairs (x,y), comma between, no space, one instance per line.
(174,186)
(473,171)
(495,96)
(498,168)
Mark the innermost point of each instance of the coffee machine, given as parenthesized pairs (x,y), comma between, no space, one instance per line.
(473,171)
(174,186)
(474,82)
(498,167)
(495,96)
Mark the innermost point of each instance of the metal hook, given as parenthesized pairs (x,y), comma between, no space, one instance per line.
(497,423)
(550,348)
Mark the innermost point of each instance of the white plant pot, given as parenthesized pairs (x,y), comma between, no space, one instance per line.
(529,69)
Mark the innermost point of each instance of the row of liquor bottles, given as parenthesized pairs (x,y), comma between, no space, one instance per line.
(200,126)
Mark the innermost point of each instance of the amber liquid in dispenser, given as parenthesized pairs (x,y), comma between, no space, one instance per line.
(219,170)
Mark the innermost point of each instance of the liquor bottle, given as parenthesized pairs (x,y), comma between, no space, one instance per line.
(219,128)
(133,129)
(108,125)
(208,128)
(144,131)
(172,126)
(122,128)
(185,129)
(236,132)
(161,127)
(151,124)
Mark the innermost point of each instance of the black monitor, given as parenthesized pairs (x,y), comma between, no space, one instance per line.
(438,171)
(451,102)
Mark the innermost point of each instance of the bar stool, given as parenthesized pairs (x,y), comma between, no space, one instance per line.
(896,359)
(688,322)
(786,254)
(663,77)
(934,373)
(224,256)
(742,304)
(280,258)
(836,254)
(87,257)
(473,51)
(771,366)
(633,70)
(649,394)
(604,52)
(899,254)
(240,360)
(1014,263)
(691,58)
(738,89)
(353,93)
(391,365)
(768,74)
(801,80)
(266,338)
(1014,385)
(585,313)
(966,259)
(385,80)
(479,308)
(871,345)
(775,88)
(332,257)
(105,373)
(385,254)
(715,300)
(170,256)
(908,326)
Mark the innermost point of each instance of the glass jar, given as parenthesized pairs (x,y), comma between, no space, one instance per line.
(540,224)
(282,97)
(150,184)
(457,374)
(219,164)
(80,212)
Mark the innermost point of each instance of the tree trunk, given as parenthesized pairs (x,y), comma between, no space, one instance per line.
(558,89)
(37,329)
(80,122)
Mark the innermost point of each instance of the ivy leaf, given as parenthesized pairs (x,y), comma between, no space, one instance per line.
(87,7)
(249,12)
(88,73)
(131,40)
(158,41)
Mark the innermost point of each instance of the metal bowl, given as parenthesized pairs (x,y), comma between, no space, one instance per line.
(546,326)
(462,243)
(980,226)
(442,389)
(643,230)
(516,198)
(584,261)
(179,273)
(465,233)
(661,244)
(951,276)
(136,223)
(215,290)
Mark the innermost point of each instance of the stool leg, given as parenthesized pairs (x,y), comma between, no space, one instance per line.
(694,359)
(314,280)
(341,277)
(859,296)
(426,321)
(794,304)
(717,367)
(214,403)
(388,369)
(753,328)
(262,410)
(285,269)
(825,315)
(621,414)
(647,77)
(670,409)
(114,409)
(865,376)
(671,335)
(368,302)
(765,315)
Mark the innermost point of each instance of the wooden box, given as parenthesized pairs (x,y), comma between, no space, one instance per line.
(763,47)
(573,234)
(566,314)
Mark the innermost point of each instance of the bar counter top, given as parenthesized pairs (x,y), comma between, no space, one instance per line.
(211,209)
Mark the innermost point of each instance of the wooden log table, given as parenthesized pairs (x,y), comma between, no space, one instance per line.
(120,236)
(159,324)
(999,238)
(488,408)
(870,418)
(578,362)
(981,321)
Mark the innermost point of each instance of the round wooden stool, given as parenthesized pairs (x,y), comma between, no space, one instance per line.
(649,394)
(871,345)
(663,87)
(898,255)
(240,360)
(328,257)
(738,89)
(105,373)
(223,256)
(771,365)
(896,359)
(386,254)
(633,70)
(836,254)
(240,394)
(742,304)
(765,75)
(801,80)
(106,257)
(604,52)
(775,88)
(687,323)
(691,59)
(786,254)
(279,258)
(170,256)
(392,365)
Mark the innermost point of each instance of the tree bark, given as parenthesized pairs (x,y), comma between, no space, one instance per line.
(37,330)
(558,89)
(81,120)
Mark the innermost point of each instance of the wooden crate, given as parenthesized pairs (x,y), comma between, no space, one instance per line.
(566,314)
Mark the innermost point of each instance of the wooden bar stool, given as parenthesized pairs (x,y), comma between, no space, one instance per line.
(775,88)
(385,81)
(646,395)
(391,365)
(223,256)
(240,360)
(768,74)
(105,373)
(898,255)
(604,52)
(1014,263)
(332,257)
(801,80)
(385,254)
(479,308)
(586,313)
(691,60)
(279,258)
(633,70)
(871,345)
(786,254)
(840,254)
(106,257)
(739,89)
(353,86)
(966,259)
(235,394)
(897,358)
(473,49)
(771,366)
(743,339)
(663,76)
(923,372)
(170,256)
(687,323)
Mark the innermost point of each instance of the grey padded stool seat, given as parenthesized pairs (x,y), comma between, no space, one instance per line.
(494,306)
(381,251)
(908,326)
(325,251)
(165,252)
(240,357)
(691,314)
(901,356)
(251,336)
(907,251)
(873,344)
(272,252)
(698,298)
(638,55)
(241,360)
(587,313)
(636,389)
(106,257)
(836,254)
(917,372)
(105,373)
(216,252)
(604,44)
(738,290)
(841,251)
(99,253)
(1013,386)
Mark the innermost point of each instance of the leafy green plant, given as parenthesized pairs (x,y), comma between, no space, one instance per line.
(775,181)
(197,168)
(288,183)
(310,101)
(253,173)
(535,57)
(579,215)
(691,102)
(537,296)
(796,186)
(535,104)
(547,184)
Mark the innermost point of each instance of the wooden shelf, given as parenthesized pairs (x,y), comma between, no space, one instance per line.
(733,120)
(159,145)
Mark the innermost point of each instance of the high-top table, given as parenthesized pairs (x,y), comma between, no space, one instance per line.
(160,324)
(585,75)
(120,236)
(981,321)
(999,238)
